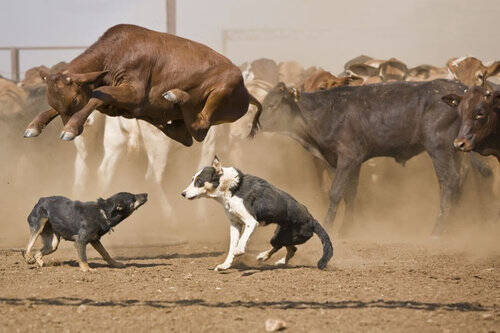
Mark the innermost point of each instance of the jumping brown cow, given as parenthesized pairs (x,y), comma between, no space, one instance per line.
(180,86)
(479,110)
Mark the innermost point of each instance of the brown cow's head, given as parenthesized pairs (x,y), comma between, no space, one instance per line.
(67,92)
(479,111)
(471,71)
(323,80)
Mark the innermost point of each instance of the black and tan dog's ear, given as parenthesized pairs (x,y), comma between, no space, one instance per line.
(216,164)
(452,100)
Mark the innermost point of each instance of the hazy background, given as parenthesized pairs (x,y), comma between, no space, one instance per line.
(314,32)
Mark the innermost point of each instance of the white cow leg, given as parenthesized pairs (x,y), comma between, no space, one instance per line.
(114,145)
(81,168)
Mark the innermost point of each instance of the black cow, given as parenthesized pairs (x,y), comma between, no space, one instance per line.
(348,125)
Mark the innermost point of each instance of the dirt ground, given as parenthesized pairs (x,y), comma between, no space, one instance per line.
(435,286)
(388,276)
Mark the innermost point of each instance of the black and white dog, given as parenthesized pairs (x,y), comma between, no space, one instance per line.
(81,222)
(250,200)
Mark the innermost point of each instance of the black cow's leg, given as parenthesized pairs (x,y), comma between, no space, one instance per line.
(447,167)
(349,198)
(344,175)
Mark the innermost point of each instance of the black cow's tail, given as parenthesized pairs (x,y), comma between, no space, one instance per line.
(327,244)
(255,122)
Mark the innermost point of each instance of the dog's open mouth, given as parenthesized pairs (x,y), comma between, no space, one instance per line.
(141,199)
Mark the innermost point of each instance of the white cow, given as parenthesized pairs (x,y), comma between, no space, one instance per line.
(122,135)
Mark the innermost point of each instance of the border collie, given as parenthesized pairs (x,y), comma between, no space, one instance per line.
(80,222)
(249,200)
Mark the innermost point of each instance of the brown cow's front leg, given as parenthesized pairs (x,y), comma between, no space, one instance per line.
(122,95)
(37,125)
(74,126)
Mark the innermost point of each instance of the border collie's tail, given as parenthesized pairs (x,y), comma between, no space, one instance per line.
(327,245)
(255,122)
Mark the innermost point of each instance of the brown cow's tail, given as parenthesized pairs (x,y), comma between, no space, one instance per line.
(255,122)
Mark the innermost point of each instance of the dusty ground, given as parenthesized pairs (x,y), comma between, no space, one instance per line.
(369,286)
(388,277)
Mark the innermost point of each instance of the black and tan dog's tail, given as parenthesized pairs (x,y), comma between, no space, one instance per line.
(327,245)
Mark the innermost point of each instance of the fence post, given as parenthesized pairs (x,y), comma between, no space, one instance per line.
(171,17)
(14,65)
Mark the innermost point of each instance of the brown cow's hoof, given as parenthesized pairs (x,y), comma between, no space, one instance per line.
(31,133)
(67,136)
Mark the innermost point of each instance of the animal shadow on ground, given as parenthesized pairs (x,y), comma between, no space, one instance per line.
(251,270)
(175,256)
(297,305)
(74,263)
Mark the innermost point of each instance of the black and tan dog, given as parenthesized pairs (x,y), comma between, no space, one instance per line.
(80,222)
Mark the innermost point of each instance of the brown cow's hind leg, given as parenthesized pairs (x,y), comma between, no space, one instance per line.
(198,124)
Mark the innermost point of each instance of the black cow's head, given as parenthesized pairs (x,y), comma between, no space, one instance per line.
(479,111)
(279,109)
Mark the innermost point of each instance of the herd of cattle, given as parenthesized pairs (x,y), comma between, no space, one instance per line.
(343,127)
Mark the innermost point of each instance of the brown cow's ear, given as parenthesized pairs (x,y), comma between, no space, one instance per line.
(493,69)
(88,78)
(452,100)
(43,74)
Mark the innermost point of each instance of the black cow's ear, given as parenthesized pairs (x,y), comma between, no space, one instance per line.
(294,93)
(496,101)
(452,100)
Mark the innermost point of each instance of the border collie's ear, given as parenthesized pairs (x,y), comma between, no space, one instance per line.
(216,164)
(452,100)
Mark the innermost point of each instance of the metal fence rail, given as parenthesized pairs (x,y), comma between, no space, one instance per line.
(14,55)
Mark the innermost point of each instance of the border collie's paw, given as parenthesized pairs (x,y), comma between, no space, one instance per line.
(238,252)
(280,262)
(222,267)
(86,268)
(39,261)
(263,256)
